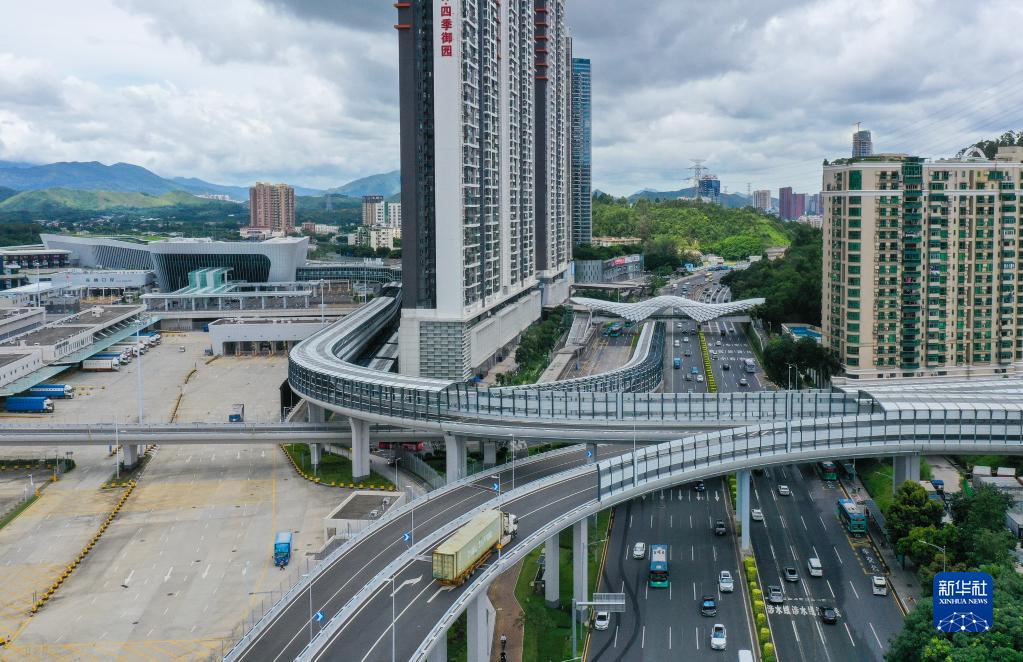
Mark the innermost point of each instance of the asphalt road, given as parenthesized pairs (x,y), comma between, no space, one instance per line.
(805,525)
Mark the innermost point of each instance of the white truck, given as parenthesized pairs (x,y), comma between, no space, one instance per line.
(879,585)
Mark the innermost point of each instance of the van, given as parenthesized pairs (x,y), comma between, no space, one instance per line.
(181,348)
(813,565)
(745,656)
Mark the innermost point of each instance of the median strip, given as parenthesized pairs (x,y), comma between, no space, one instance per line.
(712,386)
(764,635)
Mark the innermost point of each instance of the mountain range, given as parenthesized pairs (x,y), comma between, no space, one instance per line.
(730,200)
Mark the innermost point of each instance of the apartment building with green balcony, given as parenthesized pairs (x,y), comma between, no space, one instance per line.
(921,276)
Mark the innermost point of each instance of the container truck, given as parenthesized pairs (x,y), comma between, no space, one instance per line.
(100,365)
(237,414)
(53,390)
(458,557)
(120,357)
(30,403)
(282,549)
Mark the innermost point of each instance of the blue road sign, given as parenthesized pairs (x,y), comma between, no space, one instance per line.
(318,616)
(497,487)
(407,537)
(963,601)
(589,453)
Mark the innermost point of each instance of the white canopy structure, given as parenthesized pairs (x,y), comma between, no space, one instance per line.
(697,310)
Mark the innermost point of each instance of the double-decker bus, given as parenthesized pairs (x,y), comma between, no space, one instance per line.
(658,577)
(853,519)
(827,470)
(749,365)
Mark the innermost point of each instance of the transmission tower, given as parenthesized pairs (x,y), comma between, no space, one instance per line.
(698,171)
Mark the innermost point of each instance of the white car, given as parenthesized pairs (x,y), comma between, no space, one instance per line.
(757,515)
(601,620)
(678,344)
(699,378)
(639,550)
(725,583)
(718,343)
(783,490)
(878,585)
(718,637)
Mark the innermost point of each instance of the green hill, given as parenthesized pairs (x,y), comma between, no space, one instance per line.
(689,226)
(57,199)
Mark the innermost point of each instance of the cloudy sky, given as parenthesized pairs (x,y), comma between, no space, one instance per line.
(305,91)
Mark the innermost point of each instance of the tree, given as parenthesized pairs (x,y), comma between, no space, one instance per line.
(911,508)
(984,509)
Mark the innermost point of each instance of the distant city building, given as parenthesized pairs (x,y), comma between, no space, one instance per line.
(485,177)
(920,266)
(374,210)
(272,207)
(627,267)
(582,149)
(617,241)
(785,204)
(813,204)
(862,145)
(762,200)
(775,252)
(710,187)
(394,216)
(309,227)
(798,204)
(813,220)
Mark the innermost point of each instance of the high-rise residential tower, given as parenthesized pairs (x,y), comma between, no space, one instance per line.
(582,148)
(921,270)
(786,204)
(862,145)
(762,200)
(272,207)
(469,74)
(373,210)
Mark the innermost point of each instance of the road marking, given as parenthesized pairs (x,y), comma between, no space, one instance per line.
(821,519)
(830,590)
(795,631)
(646,591)
(671,521)
(127,580)
(398,618)
(793,550)
(690,520)
(876,638)
(772,551)
(804,523)
(669,637)
(692,552)
(697,638)
(615,644)
(167,576)
(407,582)
(642,638)
(651,520)
(838,555)
(444,589)
(714,549)
(848,632)
(783,524)
(857,593)
(669,590)
(694,590)
(630,521)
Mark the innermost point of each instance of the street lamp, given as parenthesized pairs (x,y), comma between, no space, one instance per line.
(788,373)
(939,548)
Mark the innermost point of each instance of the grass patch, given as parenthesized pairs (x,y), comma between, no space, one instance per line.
(333,469)
(535,347)
(876,476)
(17,510)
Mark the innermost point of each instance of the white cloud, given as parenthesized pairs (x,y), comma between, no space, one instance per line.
(306,90)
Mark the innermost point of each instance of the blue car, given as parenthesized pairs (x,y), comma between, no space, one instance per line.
(695,370)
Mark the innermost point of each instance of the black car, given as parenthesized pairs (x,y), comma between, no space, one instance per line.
(709,606)
(719,528)
(725,366)
(700,487)
(829,615)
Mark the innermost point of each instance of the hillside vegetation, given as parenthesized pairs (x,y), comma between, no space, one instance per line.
(57,199)
(689,226)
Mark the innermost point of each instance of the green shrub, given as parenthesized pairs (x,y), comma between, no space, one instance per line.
(765,636)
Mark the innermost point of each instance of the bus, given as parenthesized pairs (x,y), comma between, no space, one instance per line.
(853,519)
(827,470)
(658,577)
(749,365)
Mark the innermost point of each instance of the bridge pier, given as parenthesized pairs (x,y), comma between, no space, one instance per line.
(454,448)
(552,571)
(315,414)
(131,455)
(905,467)
(480,628)
(315,452)
(489,453)
(360,448)
(580,555)
(742,490)
(439,653)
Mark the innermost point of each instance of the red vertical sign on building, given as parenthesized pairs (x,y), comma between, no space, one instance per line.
(447,36)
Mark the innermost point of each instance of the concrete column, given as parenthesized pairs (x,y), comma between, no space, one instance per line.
(440,650)
(905,467)
(580,547)
(454,447)
(131,455)
(591,453)
(742,490)
(315,413)
(552,571)
(315,451)
(480,627)
(360,448)
(489,453)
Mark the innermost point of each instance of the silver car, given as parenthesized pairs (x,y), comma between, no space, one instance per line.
(725,583)
(639,550)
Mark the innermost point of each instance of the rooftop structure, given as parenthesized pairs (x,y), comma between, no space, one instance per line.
(697,310)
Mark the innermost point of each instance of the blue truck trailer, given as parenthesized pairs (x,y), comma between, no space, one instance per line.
(53,390)
(30,403)
(282,549)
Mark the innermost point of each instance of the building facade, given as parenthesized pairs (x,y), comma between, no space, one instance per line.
(762,200)
(374,210)
(470,124)
(921,270)
(582,153)
(394,215)
(785,203)
(710,188)
(272,207)
(862,145)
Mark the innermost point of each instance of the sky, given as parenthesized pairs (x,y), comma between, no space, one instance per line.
(305,91)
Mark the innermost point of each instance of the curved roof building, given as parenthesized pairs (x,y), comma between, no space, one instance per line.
(697,310)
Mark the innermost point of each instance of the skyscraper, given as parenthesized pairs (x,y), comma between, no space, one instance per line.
(762,200)
(373,210)
(710,187)
(272,207)
(862,145)
(473,137)
(798,205)
(582,147)
(920,266)
(785,203)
